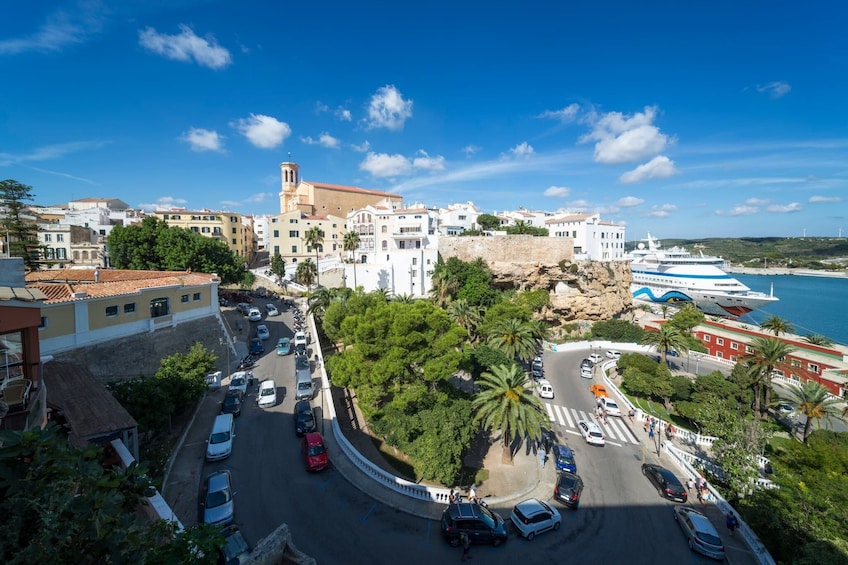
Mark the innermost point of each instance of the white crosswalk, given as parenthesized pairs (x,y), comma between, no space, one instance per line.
(615,429)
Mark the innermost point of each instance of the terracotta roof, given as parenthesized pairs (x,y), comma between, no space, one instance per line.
(353,189)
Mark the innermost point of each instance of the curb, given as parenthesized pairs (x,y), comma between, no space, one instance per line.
(180,443)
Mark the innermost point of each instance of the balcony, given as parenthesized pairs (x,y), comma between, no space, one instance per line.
(27,406)
(409,233)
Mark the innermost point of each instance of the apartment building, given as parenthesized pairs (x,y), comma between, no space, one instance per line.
(458,218)
(288,230)
(593,238)
(231,228)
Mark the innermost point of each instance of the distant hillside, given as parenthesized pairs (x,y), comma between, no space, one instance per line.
(796,252)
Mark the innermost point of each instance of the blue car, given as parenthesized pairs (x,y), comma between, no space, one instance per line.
(563,458)
(283,346)
(256,346)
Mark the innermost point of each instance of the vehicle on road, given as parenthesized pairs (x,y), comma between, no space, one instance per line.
(238,381)
(599,390)
(586,363)
(700,532)
(537,369)
(568,489)
(614,354)
(532,516)
(481,525)
(304,419)
(267,395)
(545,389)
(304,389)
(300,339)
(243,307)
(591,432)
(217,507)
(667,484)
(586,372)
(283,346)
(611,406)
(595,358)
(301,361)
(235,550)
(271,310)
(232,402)
(220,443)
(785,409)
(314,452)
(262,332)
(563,458)
(256,346)
(254,314)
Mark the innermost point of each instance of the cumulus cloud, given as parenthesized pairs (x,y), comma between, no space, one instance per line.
(557,191)
(660,167)
(262,131)
(775,89)
(662,211)
(785,208)
(163,203)
(523,149)
(343,114)
(565,115)
(186,47)
(324,140)
(824,199)
(387,109)
(738,210)
(70,25)
(200,139)
(427,163)
(362,147)
(756,201)
(385,165)
(630,201)
(624,139)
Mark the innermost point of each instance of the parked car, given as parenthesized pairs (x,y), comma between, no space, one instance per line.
(532,516)
(267,395)
(217,504)
(220,443)
(595,358)
(614,354)
(262,332)
(586,372)
(480,524)
(283,346)
(314,452)
(301,361)
(667,484)
(568,489)
(599,390)
(271,310)
(238,381)
(611,406)
(243,307)
(232,402)
(591,432)
(304,419)
(700,532)
(545,389)
(235,550)
(256,346)
(254,314)
(586,363)
(300,340)
(563,458)
(785,409)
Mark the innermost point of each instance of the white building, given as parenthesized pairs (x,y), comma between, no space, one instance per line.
(262,228)
(593,238)
(537,219)
(457,218)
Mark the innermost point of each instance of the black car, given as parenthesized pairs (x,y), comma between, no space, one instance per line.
(568,489)
(478,522)
(667,484)
(586,363)
(304,419)
(301,361)
(232,402)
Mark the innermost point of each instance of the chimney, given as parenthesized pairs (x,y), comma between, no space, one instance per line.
(97,275)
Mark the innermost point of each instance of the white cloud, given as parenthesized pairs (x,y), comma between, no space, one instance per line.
(662,211)
(425,162)
(186,47)
(565,115)
(630,201)
(624,139)
(660,167)
(523,149)
(48,152)
(385,165)
(343,114)
(821,199)
(320,108)
(470,150)
(756,202)
(200,139)
(739,210)
(775,89)
(262,131)
(362,147)
(324,140)
(557,191)
(163,203)
(69,26)
(785,208)
(388,109)
(579,205)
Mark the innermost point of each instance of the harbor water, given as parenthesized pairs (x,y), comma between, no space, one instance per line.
(813,305)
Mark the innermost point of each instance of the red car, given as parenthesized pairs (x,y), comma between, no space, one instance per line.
(314,452)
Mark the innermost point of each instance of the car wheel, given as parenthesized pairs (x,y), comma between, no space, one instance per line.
(660,492)
(557,525)
(530,536)
(497,541)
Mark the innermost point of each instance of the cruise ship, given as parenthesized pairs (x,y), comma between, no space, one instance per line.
(676,275)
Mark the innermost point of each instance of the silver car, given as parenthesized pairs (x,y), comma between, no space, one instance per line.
(700,532)
(218,507)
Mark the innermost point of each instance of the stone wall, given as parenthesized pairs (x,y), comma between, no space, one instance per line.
(507,248)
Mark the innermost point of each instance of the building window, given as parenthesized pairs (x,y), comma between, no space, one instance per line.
(795,362)
(159,307)
(48,237)
(294,248)
(61,253)
(385,245)
(719,341)
(813,368)
(184,298)
(734,345)
(461,218)
(60,237)
(129,308)
(707,338)
(294,233)
(719,354)
(205,229)
(111,311)
(749,349)
(195,296)
(234,241)
(415,260)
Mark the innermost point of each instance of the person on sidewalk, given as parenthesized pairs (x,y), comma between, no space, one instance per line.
(452,498)
(690,484)
(732,523)
(472,495)
(542,457)
(465,542)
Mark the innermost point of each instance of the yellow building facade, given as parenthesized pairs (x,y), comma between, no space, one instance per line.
(231,228)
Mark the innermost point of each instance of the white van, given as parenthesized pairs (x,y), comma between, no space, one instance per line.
(267,395)
(304,390)
(545,389)
(220,443)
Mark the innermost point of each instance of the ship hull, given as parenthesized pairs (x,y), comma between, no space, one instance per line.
(715,304)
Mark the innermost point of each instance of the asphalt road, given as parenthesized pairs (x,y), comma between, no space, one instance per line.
(621,517)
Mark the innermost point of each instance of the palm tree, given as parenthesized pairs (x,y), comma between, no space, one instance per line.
(351,242)
(513,337)
(768,354)
(506,403)
(466,316)
(306,271)
(665,338)
(319,300)
(818,339)
(814,402)
(777,325)
(314,238)
(404,298)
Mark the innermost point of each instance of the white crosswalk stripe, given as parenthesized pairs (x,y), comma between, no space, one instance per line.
(549,407)
(614,429)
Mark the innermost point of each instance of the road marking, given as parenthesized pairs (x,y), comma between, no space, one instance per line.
(550,410)
(614,443)
(367,514)
(627,434)
(567,417)
(575,432)
(322,485)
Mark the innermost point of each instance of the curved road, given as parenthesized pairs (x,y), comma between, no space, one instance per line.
(621,517)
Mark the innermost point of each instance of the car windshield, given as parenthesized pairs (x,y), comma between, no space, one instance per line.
(302,362)
(237,381)
(316,450)
(304,386)
(220,437)
(565,459)
(268,391)
(217,498)
(231,400)
(595,434)
(708,538)
(304,416)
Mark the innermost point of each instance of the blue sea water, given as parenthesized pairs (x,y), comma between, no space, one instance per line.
(814,305)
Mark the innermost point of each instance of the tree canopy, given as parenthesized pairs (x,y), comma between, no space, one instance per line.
(22,232)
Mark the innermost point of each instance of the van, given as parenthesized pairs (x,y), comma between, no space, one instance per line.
(220,443)
(545,389)
(304,389)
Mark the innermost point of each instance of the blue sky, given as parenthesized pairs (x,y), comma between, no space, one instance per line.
(685,119)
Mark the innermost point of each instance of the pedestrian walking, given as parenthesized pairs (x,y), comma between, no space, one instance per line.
(732,523)
(452,498)
(543,456)
(651,433)
(472,495)
(465,542)
(690,484)
(631,414)
(647,423)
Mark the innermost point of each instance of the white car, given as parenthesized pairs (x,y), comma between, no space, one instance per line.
(595,358)
(272,310)
(238,381)
(586,372)
(611,406)
(267,395)
(591,432)
(254,315)
(545,389)
(532,516)
(299,339)
(262,332)
(613,354)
